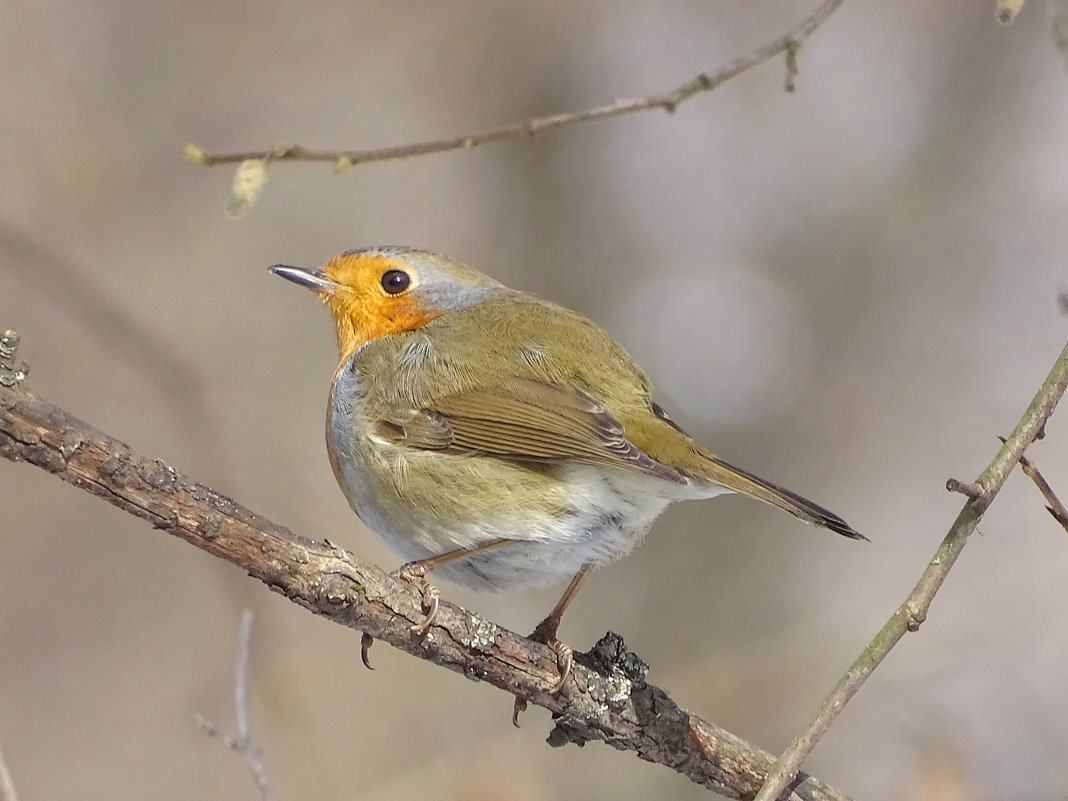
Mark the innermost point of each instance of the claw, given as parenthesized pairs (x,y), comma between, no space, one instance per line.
(431,598)
(415,574)
(545,633)
(520,705)
(366,641)
(564,661)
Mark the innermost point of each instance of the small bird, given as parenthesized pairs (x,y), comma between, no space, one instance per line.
(497,438)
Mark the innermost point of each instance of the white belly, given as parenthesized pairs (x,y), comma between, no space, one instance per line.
(604,524)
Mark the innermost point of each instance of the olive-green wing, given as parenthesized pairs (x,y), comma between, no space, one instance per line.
(524,420)
(666,442)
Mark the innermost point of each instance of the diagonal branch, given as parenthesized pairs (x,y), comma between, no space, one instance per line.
(787,43)
(333,583)
(913,611)
(1054,505)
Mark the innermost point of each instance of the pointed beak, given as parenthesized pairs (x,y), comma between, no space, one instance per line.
(313,279)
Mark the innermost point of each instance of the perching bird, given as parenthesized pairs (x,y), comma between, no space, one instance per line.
(496,438)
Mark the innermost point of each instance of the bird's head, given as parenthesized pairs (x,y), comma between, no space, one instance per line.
(386,290)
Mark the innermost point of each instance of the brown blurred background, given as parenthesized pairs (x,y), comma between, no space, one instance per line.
(849,290)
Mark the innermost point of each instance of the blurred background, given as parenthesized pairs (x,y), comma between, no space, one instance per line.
(849,290)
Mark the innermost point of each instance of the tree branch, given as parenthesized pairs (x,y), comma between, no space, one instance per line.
(913,611)
(331,582)
(789,43)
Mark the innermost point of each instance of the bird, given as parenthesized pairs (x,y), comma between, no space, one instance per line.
(498,439)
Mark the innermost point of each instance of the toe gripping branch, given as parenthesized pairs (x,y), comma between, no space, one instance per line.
(412,573)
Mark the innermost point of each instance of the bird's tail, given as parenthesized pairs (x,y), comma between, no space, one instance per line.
(738,480)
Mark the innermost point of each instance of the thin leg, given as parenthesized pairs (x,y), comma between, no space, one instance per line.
(434,562)
(545,633)
(415,573)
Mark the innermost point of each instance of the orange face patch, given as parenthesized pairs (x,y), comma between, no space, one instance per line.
(363,309)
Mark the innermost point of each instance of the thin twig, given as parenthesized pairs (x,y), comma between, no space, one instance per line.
(336,584)
(242,742)
(244,646)
(1055,507)
(7,784)
(963,487)
(913,611)
(789,43)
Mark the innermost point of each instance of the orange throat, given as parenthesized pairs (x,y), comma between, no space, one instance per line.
(359,320)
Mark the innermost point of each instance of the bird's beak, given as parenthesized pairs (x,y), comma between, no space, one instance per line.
(313,279)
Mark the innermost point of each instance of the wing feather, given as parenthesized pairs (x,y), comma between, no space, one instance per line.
(525,420)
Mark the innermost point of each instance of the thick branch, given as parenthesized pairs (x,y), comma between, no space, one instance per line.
(337,585)
(788,43)
(913,611)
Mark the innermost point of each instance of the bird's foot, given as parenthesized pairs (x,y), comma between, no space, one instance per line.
(545,633)
(414,573)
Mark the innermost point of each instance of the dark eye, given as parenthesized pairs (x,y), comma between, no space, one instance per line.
(395,281)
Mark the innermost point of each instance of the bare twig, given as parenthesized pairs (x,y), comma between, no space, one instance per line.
(7,784)
(1055,507)
(338,585)
(913,611)
(242,742)
(789,43)
(963,487)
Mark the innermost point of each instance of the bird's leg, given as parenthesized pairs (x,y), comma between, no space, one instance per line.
(545,633)
(415,573)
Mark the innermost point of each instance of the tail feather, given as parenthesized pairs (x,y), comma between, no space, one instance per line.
(738,480)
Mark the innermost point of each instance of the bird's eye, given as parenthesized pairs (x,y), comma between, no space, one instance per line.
(395,281)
